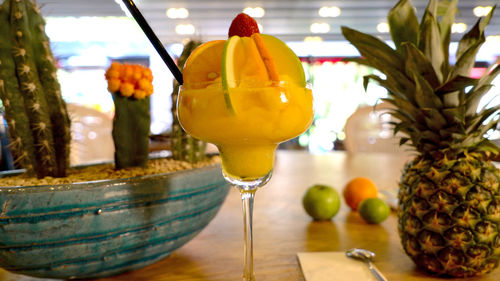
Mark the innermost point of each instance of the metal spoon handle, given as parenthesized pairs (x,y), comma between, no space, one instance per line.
(375,271)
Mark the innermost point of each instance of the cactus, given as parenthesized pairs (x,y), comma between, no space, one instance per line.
(130,86)
(184,146)
(36,114)
(131,131)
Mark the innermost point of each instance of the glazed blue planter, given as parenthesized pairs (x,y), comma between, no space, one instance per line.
(103,228)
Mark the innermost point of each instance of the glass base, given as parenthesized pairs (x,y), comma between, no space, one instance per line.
(247,188)
(247,185)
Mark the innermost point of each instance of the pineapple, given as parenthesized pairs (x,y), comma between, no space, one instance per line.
(449,198)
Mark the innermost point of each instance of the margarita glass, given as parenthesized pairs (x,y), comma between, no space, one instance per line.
(246,123)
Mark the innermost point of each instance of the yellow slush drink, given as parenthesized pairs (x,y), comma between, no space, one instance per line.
(245,94)
(248,135)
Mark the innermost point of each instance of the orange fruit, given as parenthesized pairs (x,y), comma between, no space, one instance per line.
(357,190)
(203,65)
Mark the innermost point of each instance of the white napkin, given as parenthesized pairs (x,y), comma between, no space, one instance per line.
(333,266)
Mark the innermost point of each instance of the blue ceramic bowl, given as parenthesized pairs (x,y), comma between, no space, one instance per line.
(103,228)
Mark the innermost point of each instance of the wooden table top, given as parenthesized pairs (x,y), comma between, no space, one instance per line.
(282,228)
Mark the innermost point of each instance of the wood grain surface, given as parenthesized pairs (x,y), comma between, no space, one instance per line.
(282,228)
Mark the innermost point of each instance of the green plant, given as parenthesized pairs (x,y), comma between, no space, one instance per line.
(449,197)
(184,146)
(131,87)
(131,131)
(36,114)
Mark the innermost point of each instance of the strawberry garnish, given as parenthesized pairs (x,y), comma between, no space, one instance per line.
(243,25)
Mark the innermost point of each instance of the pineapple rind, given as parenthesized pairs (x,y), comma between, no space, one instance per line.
(449,215)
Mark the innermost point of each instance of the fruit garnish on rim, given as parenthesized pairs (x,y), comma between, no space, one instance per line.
(246,59)
(243,25)
(203,65)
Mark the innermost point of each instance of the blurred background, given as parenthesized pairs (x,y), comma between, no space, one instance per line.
(87,35)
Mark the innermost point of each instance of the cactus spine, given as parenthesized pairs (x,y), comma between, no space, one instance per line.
(184,146)
(40,133)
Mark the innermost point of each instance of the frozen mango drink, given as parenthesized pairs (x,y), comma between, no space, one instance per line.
(245,95)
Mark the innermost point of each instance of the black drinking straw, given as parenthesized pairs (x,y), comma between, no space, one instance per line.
(154,40)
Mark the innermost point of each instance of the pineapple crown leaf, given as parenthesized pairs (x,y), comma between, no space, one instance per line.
(457,82)
(378,53)
(451,99)
(475,34)
(430,37)
(469,46)
(430,135)
(396,87)
(466,61)
(477,121)
(403,141)
(434,119)
(489,75)
(489,147)
(455,115)
(467,142)
(403,24)
(402,116)
(447,20)
(425,97)
(366,81)
(407,107)
(435,101)
(474,96)
(417,61)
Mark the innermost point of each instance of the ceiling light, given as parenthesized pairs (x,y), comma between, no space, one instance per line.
(177,13)
(176,48)
(481,11)
(256,12)
(184,29)
(329,12)
(493,39)
(383,27)
(313,39)
(320,27)
(459,27)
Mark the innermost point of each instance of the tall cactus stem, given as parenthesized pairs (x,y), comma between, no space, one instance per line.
(184,146)
(52,90)
(21,140)
(32,91)
(131,131)
(36,115)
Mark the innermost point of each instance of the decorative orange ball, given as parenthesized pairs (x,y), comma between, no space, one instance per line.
(357,190)
(114,84)
(130,80)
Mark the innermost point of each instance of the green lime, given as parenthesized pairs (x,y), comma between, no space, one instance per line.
(321,202)
(374,210)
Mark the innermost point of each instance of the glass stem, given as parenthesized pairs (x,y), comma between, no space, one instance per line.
(247,197)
